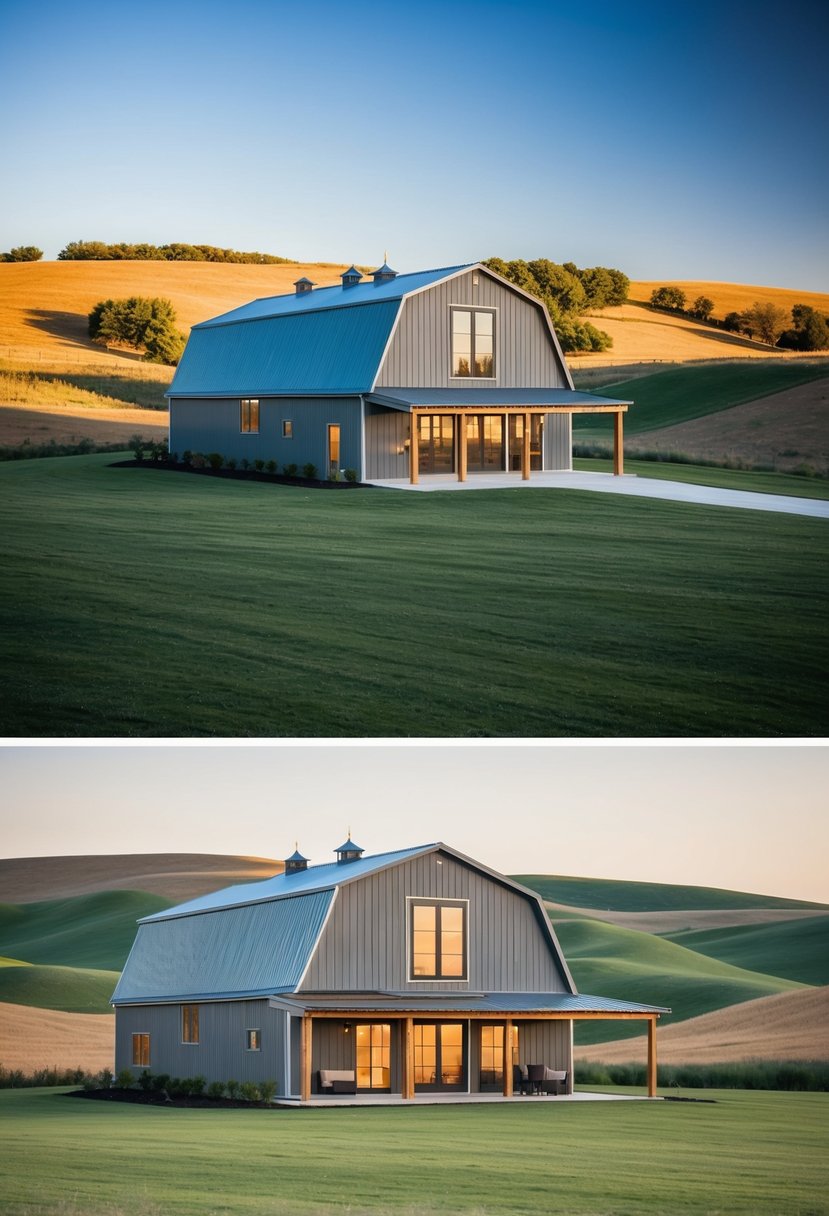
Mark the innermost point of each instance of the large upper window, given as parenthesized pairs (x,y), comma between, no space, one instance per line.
(189,1023)
(249,416)
(438,940)
(473,342)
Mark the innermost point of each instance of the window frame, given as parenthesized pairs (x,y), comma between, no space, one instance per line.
(413,901)
(190,1025)
(253,1030)
(472,309)
(287,428)
(138,1049)
(248,428)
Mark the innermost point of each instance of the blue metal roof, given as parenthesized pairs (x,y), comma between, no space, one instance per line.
(469,1002)
(282,886)
(487,398)
(249,951)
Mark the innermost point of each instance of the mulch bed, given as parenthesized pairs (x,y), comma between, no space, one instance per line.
(166,466)
(138,1097)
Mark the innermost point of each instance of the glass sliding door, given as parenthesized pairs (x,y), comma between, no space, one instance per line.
(436,443)
(516,442)
(374,1056)
(439,1056)
(484,442)
(492,1060)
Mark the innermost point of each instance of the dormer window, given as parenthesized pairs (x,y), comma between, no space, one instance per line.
(473,343)
(437,939)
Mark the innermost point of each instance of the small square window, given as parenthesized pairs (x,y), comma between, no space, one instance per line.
(254,1040)
(287,428)
(249,416)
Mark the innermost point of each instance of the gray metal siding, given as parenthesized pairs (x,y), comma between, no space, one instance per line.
(419,351)
(558,441)
(364,943)
(212,425)
(386,433)
(220,1054)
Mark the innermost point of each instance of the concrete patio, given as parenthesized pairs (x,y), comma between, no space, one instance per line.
(606,483)
(457,1099)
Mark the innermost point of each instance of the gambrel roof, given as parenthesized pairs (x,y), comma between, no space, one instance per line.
(327,342)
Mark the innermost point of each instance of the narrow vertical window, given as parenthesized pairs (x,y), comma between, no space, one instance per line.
(473,343)
(287,428)
(333,448)
(189,1023)
(141,1050)
(249,416)
(253,1039)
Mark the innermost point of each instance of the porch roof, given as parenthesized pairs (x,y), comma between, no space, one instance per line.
(498,1004)
(491,399)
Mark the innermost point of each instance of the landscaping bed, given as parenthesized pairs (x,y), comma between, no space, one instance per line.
(282,479)
(138,1097)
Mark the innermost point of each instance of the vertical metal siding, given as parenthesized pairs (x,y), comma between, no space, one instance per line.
(220,1054)
(386,433)
(558,441)
(419,352)
(546,1043)
(364,944)
(212,425)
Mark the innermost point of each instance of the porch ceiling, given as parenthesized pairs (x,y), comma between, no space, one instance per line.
(494,399)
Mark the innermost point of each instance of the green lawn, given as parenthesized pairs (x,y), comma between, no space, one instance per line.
(796,949)
(84,931)
(73,989)
(679,394)
(151,603)
(705,475)
(753,1153)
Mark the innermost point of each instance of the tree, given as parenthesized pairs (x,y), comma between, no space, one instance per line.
(810,331)
(668,297)
(733,322)
(143,323)
(23,253)
(765,319)
(702,308)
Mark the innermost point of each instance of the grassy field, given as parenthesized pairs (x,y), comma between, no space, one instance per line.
(88,931)
(705,475)
(680,394)
(151,603)
(71,989)
(796,950)
(735,297)
(626,896)
(756,1153)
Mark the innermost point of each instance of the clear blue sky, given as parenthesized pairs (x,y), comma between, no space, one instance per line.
(670,140)
(745,818)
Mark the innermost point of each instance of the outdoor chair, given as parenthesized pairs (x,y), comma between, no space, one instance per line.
(536,1074)
(520,1080)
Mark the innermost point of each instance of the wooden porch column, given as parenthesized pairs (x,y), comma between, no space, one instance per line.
(618,444)
(461,447)
(414,450)
(305,1048)
(407,1088)
(525,450)
(652,1058)
(508,1058)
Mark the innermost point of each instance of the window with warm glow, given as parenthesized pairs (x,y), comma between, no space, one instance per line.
(374,1056)
(473,342)
(254,1040)
(141,1050)
(189,1023)
(438,940)
(249,416)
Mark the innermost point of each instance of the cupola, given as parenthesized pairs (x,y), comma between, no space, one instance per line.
(351,277)
(296,862)
(348,852)
(384,274)
(303,285)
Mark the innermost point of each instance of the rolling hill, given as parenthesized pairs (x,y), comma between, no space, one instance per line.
(718,958)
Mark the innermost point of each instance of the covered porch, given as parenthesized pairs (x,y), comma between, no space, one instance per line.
(514,432)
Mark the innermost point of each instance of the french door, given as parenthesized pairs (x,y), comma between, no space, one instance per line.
(436,443)
(439,1056)
(373,1050)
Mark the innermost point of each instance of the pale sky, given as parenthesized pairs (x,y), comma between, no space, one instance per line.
(749,818)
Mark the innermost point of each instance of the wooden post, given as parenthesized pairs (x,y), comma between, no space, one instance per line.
(414,450)
(407,1088)
(305,1047)
(618,444)
(461,447)
(508,1058)
(652,1058)
(525,450)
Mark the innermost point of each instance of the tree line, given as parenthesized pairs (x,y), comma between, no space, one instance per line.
(99,251)
(23,253)
(568,293)
(802,329)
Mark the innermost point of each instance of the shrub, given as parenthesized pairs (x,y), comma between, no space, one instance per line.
(271,466)
(245,464)
(334,475)
(125,1079)
(145,1080)
(259,465)
(197,461)
(187,457)
(249,1091)
(290,470)
(351,475)
(172,457)
(216,1090)
(160,1082)
(310,471)
(215,460)
(231,462)
(105,1078)
(159,451)
(142,323)
(232,1088)
(23,253)
(197,1085)
(267,1089)
(136,446)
